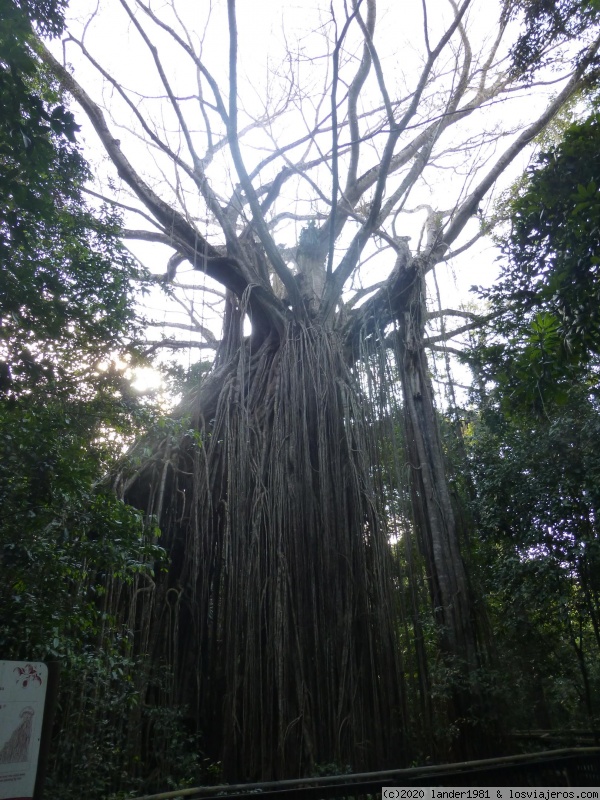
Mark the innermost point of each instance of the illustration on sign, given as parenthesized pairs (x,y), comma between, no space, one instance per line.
(17,747)
(22,697)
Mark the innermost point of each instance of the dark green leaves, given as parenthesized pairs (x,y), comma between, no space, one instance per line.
(67,313)
(549,289)
(46,15)
(66,283)
(548,23)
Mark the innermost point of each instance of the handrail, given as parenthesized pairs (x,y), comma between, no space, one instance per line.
(357,777)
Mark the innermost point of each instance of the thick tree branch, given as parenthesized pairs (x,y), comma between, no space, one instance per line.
(400,127)
(353,95)
(147,236)
(263,306)
(258,219)
(334,125)
(185,237)
(198,174)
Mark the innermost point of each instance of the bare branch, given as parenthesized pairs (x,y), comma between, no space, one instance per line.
(195,288)
(399,128)
(184,326)
(334,124)
(471,326)
(463,248)
(157,141)
(219,104)
(111,201)
(353,95)
(196,323)
(165,82)
(336,281)
(470,205)
(176,344)
(445,348)
(453,312)
(425,26)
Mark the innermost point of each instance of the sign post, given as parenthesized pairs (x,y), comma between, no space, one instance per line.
(23,686)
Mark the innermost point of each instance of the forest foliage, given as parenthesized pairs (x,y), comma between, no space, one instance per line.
(82,571)
(68,324)
(533,442)
(546,297)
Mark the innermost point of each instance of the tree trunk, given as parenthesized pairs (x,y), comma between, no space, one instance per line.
(278,618)
(436,528)
(277,615)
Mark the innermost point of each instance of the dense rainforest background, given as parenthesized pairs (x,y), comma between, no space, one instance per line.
(316,549)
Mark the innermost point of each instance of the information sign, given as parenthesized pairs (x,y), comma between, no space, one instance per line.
(22,695)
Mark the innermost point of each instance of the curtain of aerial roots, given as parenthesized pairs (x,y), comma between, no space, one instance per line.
(379,375)
(279,615)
